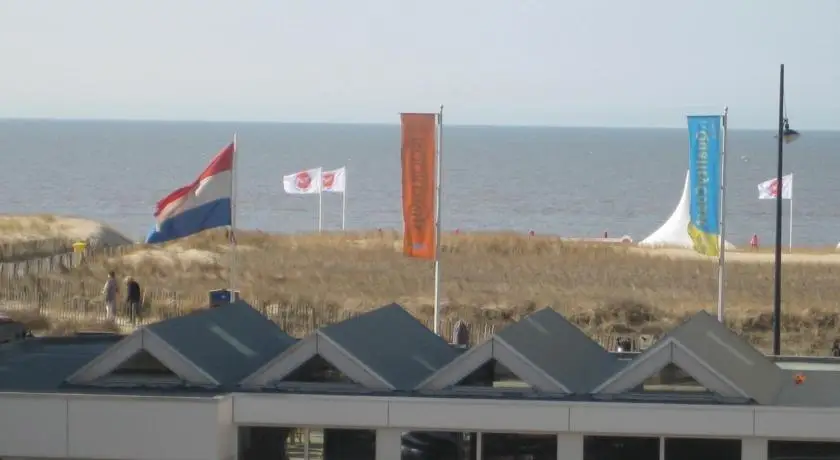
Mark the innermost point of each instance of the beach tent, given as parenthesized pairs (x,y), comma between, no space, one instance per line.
(673,232)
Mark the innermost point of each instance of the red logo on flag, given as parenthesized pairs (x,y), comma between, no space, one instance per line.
(303,180)
(774,188)
(329,179)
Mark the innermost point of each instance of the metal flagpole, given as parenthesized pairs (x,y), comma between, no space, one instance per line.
(232,229)
(438,208)
(344,199)
(320,197)
(722,242)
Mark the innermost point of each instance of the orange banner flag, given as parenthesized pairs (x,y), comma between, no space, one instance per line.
(418,184)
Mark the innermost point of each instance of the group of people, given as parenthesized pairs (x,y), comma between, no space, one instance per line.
(133,297)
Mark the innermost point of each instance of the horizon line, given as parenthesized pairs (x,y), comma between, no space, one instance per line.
(364,123)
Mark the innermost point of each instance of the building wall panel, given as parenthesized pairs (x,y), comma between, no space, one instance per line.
(33,425)
(143,428)
(653,419)
(480,415)
(798,423)
(310,410)
(228,432)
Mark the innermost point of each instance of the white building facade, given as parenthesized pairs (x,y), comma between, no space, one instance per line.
(126,427)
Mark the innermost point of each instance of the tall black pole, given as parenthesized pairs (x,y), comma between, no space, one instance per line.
(777,291)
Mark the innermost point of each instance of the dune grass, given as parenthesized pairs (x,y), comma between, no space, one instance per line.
(493,278)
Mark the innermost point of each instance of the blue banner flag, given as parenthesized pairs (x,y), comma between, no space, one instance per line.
(704,158)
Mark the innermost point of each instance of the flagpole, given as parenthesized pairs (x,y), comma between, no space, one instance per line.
(232,229)
(320,197)
(722,217)
(344,199)
(438,208)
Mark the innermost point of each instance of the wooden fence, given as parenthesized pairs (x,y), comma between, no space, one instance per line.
(51,300)
(55,263)
(80,303)
(24,250)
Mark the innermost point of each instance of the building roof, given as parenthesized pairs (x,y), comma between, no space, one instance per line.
(394,344)
(214,347)
(561,350)
(42,364)
(228,342)
(388,351)
(544,350)
(731,356)
(385,348)
(713,355)
(813,389)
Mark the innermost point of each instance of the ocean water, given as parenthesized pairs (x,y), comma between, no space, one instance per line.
(565,181)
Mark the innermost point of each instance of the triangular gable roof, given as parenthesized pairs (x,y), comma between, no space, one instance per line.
(212,347)
(543,349)
(561,350)
(229,342)
(385,349)
(713,355)
(142,339)
(731,356)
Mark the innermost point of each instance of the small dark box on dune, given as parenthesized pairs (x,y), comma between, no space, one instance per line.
(220,297)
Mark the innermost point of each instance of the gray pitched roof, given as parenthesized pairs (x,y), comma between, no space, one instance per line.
(730,356)
(393,344)
(42,364)
(228,342)
(561,350)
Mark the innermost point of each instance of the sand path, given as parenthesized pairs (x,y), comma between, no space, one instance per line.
(742,257)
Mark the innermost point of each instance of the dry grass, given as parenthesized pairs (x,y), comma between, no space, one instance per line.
(494,278)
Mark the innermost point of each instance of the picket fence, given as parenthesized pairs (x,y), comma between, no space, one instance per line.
(80,303)
(23,250)
(51,300)
(83,312)
(13,268)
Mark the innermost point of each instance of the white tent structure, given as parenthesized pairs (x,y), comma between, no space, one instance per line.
(674,231)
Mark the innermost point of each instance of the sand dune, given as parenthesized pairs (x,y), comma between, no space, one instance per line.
(23,228)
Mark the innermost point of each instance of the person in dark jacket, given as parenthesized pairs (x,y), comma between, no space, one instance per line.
(133,299)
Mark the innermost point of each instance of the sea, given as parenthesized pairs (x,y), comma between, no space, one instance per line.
(574,182)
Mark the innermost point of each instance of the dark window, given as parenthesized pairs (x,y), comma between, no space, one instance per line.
(620,448)
(803,450)
(317,370)
(142,364)
(702,449)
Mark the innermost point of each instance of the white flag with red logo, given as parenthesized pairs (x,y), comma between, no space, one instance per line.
(304,182)
(335,180)
(769,189)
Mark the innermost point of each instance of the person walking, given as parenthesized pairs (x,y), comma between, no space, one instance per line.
(110,292)
(133,299)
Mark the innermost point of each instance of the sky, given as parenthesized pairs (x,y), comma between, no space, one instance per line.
(611,63)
